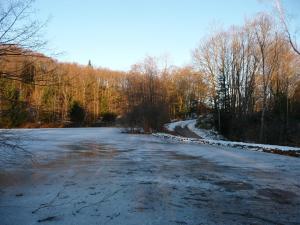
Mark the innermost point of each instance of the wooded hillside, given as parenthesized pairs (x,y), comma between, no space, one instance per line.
(247,77)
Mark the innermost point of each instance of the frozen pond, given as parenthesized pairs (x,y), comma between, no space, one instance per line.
(102,176)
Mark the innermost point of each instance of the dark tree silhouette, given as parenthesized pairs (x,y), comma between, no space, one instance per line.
(77,113)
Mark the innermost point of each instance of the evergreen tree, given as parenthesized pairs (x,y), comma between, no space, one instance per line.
(90,64)
(77,112)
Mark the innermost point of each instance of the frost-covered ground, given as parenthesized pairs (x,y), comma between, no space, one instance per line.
(191,124)
(102,176)
(212,138)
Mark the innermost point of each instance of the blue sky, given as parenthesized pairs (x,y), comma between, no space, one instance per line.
(118,33)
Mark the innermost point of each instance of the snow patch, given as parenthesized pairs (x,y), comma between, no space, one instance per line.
(180,123)
(191,125)
(213,138)
(243,145)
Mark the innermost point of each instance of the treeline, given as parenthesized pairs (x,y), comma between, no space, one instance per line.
(253,78)
(247,77)
(40,92)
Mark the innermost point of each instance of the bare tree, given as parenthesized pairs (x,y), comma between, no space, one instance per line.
(147,96)
(18,27)
(247,69)
(283,20)
(19,37)
(263,29)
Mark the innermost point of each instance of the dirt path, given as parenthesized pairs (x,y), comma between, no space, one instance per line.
(185,132)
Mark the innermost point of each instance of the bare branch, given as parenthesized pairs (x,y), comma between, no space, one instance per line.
(283,21)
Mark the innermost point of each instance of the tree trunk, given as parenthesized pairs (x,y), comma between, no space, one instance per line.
(262,124)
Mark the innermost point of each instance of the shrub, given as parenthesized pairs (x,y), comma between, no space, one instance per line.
(150,117)
(76,112)
(109,117)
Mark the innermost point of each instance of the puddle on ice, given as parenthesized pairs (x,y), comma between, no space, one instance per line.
(36,168)
(89,149)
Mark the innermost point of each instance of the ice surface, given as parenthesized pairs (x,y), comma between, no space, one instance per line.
(102,176)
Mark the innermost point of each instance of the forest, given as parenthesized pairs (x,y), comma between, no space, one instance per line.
(247,77)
